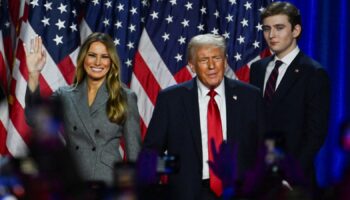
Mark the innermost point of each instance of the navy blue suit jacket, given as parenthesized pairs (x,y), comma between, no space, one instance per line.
(298,114)
(175,128)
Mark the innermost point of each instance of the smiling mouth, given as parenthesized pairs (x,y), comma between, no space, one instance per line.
(96,69)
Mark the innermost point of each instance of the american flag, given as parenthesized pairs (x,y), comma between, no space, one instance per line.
(160,60)
(7,39)
(56,23)
(150,37)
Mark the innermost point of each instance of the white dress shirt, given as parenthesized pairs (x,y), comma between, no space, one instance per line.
(282,69)
(203,100)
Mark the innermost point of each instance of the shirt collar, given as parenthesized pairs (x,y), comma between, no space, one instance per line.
(203,90)
(289,57)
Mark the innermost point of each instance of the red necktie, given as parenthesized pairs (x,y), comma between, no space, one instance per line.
(214,133)
(271,82)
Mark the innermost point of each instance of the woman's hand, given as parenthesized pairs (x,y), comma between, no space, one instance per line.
(36,59)
(35,55)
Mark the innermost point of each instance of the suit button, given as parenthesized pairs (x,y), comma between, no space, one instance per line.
(77,147)
(75,128)
(93,149)
(97,131)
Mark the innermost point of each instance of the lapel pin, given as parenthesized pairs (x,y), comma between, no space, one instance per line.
(234,97)
(296,70)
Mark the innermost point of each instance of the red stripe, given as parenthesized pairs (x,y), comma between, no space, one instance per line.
(14,11)
(3,135)
(3,73)
(8,50)
(67,69)
(146,78)
(243,73)
(18,118)
(183,75)
(143,129)
(265,53)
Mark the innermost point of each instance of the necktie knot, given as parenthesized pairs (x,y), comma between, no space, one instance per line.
(212,93)
(278,63)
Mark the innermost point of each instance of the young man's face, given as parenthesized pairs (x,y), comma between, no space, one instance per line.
(279,34)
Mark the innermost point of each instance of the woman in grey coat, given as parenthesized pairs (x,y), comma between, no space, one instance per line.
(98,110)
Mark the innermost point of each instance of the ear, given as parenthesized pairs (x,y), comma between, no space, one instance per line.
(296,31)
(191,67)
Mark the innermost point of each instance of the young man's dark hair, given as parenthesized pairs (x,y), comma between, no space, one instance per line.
(283,8)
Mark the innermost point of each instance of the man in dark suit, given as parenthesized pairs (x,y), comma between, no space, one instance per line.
(296,92)
(180,124)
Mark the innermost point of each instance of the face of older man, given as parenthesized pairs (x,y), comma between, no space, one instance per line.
(209,63)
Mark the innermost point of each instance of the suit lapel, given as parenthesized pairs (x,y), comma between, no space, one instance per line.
(232,99)
(80,101)
(190,100)
(100,99)
(292,74)
(261,73)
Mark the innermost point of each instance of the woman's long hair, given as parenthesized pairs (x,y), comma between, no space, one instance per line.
(116,104)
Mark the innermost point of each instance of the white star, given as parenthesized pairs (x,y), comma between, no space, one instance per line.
(165,36)
(203,10)
(261,9)
(244,22)
(74,12)
(188,6)
(182,40)
(185,23)
(154,15)
(178,57)
(169,19)
(48,6)
(130,45)
(133,10)
(256,44)
(108,4)
(233,2)
(45,21)
(226,35)
(34,3)
(95,2)
(240,39)
(215,31)
(62,8)
(106,22)
(173,2)
(259,27)
(58,40)
(247,5)
(229,18)
(200,27)
(238,56)
(73,27)
(120,7)
(7,24)
(144,3)
(132,28)
(216,14)
(116,41)
(128,63)
(118,24)
(60,24)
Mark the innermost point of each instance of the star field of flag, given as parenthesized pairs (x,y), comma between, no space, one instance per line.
(171,24)
(122,21)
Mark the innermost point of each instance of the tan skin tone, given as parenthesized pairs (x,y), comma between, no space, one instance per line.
(279,34)
(209,63)
(96,64)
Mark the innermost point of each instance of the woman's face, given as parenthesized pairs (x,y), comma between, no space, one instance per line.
(97,61)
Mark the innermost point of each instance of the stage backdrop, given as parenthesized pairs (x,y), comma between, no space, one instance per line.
(325,37)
